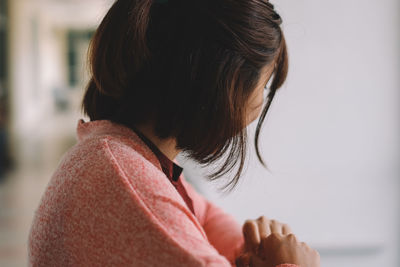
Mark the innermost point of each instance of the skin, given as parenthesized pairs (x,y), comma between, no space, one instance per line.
(256,100)
(268,243)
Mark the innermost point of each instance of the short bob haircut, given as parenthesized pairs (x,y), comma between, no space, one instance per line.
(188,67)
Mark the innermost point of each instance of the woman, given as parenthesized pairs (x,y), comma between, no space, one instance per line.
(167,77)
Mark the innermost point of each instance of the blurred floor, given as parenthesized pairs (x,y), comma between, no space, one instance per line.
(20,193)
(37,155)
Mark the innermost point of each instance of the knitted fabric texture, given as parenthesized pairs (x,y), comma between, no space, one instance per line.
(109,203)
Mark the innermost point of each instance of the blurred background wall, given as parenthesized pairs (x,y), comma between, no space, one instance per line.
(43,45)
(331,140)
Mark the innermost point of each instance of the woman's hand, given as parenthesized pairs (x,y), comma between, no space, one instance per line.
(278,249)
(269,243)
(255,230)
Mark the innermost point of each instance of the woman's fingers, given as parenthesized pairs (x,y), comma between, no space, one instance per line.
(263,226)
(271,243)
(255,230)
(243,260)
(277,249)
(250,259)
(251,236)
(286,229)
(275,226)
(267,227)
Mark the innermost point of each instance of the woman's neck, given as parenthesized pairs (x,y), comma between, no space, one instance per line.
(166,146)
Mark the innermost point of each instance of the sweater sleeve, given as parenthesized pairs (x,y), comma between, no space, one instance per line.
(222,230)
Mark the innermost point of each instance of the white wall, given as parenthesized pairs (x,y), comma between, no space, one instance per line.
(332,136)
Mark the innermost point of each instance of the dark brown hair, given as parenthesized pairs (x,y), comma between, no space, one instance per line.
(189,67)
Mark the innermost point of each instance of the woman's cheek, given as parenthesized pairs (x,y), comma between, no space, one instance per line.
(253,115)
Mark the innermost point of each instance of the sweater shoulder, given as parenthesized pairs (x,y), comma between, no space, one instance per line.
(116,163)
(103,156)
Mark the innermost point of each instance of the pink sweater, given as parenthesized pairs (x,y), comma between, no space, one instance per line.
(109,204)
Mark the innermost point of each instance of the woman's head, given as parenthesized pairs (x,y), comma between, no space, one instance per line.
(193,68)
